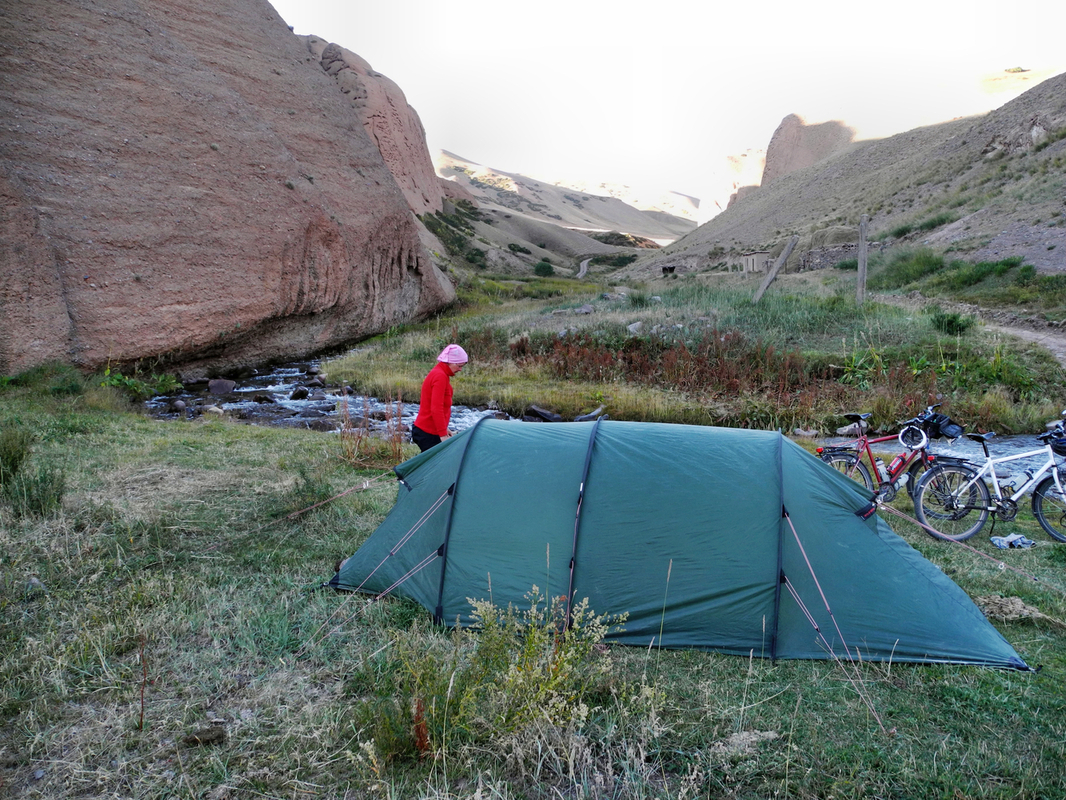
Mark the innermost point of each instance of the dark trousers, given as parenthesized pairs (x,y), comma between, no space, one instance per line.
(422,439)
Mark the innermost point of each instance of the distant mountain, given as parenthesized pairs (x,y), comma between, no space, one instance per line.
(663,218)
(986,187)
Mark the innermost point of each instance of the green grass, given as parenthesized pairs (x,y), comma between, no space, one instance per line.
(1009,284)
(708,355)
(173,591)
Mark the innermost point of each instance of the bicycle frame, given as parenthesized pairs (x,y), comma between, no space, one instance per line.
(989,469)
(899,465)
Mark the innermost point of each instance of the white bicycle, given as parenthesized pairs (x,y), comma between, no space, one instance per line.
(954,500)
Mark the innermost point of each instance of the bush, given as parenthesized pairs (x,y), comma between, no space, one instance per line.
(517,248)
(935,222)
(38,493)
(15,445)
(1026,275)
(140,388)
(543,269)
(904,267)
(952,323)
(515,669)
(621,260)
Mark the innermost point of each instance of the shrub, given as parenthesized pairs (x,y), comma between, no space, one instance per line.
(620,260)
(639,299)
(140,388)
(543,269)
(848,264)
(935,222)
(517,248)
(904,267)
(15,445)
(1026,275)
(952,323)
(38,493)
(513,670)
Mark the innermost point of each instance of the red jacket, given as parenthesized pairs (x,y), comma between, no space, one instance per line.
(435,404)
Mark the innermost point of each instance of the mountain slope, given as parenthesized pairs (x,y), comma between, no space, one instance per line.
(960,184)
(564,206)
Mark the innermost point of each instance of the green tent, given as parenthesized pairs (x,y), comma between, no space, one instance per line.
(720,539)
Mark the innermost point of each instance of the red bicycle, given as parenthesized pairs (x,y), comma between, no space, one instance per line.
(905,468)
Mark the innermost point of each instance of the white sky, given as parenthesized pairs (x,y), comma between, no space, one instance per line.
(656,94)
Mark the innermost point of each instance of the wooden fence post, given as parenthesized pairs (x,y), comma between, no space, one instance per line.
(781,259)
(860,284)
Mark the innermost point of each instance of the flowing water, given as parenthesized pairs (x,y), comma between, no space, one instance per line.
(272,398)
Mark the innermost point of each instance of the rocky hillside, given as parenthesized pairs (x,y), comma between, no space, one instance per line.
(986,188)
(602,208)
(182,182)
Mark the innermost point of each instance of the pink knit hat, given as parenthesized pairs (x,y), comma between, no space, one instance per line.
(453,354)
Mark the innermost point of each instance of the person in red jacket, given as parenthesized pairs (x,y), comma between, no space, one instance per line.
(435,404)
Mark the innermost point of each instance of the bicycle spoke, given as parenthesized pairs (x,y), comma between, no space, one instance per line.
(948,502)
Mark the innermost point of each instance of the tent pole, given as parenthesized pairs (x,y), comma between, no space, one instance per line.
(577,522)
(780,552)
(438,613)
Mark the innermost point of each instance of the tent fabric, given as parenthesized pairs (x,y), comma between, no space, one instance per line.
(720,539)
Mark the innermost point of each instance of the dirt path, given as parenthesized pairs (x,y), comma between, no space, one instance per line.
(1054,341)
(1047,335)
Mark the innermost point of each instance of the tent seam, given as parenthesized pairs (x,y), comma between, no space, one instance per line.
(577,520)
(780,549)
(438,612)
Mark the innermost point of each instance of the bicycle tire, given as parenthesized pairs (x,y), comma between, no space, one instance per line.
(939,504)
(1049,508)
(848,464)
(915,473)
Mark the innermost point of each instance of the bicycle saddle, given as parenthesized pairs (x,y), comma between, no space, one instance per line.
(981,437)
(857,417)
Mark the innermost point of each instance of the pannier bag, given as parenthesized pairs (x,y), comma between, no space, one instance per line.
(941,425)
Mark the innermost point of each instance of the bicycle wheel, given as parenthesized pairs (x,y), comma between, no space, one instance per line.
(915,472)
(850,465)
(1049,508)
(945,502)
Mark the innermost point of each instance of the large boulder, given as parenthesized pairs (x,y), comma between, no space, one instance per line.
(181,181)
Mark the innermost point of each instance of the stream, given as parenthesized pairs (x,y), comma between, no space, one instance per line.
(292,396)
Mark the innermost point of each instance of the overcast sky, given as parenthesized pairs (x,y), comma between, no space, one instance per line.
(656,94)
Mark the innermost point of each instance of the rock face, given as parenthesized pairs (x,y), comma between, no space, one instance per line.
(181,181)
(796,145)
(391,123)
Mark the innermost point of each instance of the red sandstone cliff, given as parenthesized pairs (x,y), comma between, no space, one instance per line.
(181,181)
(796,145)
(390,122)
